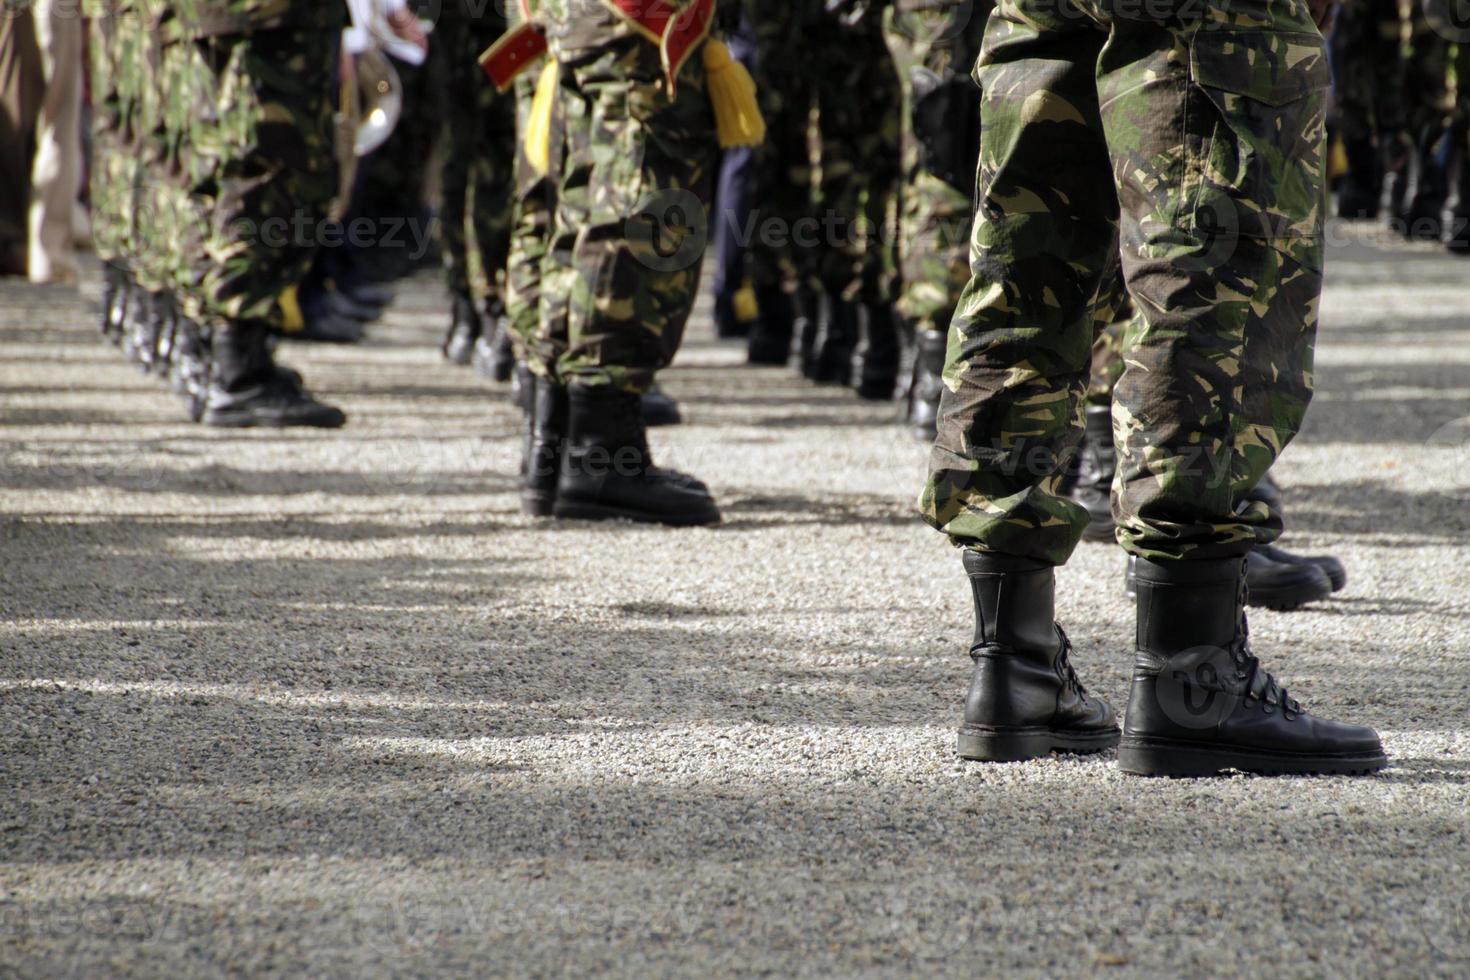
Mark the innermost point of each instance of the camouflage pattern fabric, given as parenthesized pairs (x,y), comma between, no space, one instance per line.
(783,191)
(1368,96)
(859,102)
(262,169)
(110,104)
(538,322)
(934,47)
(634,185)
(1190,145)
(478,147)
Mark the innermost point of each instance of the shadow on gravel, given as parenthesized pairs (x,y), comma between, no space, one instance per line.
(1377,510)
(1386,403)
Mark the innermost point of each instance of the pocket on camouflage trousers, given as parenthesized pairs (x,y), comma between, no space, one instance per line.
(1257,121)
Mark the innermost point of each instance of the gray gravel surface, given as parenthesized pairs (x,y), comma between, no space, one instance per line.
(326,704)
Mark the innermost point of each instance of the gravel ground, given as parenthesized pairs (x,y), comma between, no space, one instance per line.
(327,704)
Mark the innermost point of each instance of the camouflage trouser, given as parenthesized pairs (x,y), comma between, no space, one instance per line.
(478,147)
(635,181)
(782,188)
(1192,148)
(538,322)
(262,169)
(109,140)
(1368,42)
(934,49)
(858,113)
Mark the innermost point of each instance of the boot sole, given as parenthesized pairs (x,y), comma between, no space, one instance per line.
(578,510)
(979,744)
(537,505)
(1168,757)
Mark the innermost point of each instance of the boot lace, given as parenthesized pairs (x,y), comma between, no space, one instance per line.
(1257,683)
(1064,667)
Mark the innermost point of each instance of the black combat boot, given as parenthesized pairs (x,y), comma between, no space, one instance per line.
(546,432)
(1025,701)
(495,356)
(248,390)
(1457,207)
(464,330)
(145,321)
(875,365)
(1097,462)
(607,472)
(807,327)
(837,340)
(1358,192)
(660,409)
(1202,703)
(1423,218)
(1328,565)
(1274,579)
(928,384)
(728,325)
(115,289)
(1395,149)
(770,336)
(189,372)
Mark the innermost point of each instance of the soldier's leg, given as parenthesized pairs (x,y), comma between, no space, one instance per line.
(108,140)
(460,142)
(1021,335)
(1216,133)
(265,165)
(1457,208)
(493,195)
(536,319)
(150,230)
(858,108)
(630,234)
(781,271)
(934,51)
(1017,365)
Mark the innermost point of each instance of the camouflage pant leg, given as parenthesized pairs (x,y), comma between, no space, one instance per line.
(781,191)
(1367,40)
(1220,241)
(150,229)
(108,178)
(858,111)
(934,50)
(264,169)
(537,320)
(1425,94)
(479,147)
(632,212)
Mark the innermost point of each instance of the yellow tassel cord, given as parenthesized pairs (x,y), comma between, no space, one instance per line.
(292,319)
(538,123)
(738,120)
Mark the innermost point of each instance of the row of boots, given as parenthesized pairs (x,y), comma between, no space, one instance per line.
(227,376)
(837,341)
(1200,702)
(1421,185)
(479,340)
